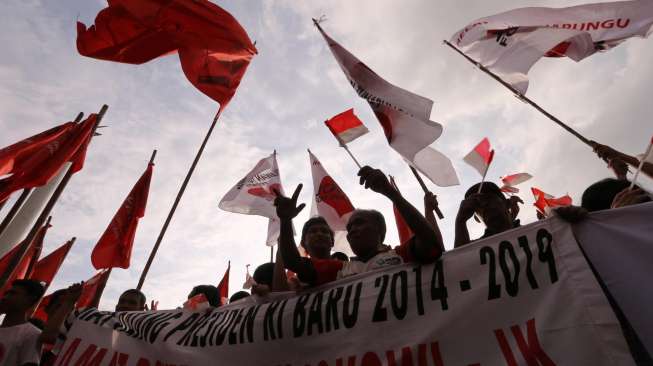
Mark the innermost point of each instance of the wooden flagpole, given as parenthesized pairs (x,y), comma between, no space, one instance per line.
(37,253)
(522,96)
(426,190)
(182,189)
(44,213)
(23,196)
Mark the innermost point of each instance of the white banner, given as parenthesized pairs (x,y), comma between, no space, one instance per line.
(527,297)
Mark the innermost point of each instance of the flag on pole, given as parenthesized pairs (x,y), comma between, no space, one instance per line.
(47,267)
(26,264)
(214,49)
(254,195)
(23,148)
(223,286)
(346,126)
(544,202)
(115,246)
(42,165)
(510,43)
(92,290)
(480,157)
(330,201)
(405,233)
(403,115)
(510,181)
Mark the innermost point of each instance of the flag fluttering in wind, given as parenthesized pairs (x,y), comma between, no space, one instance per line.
(544,202)
(115,246)
(346,126)
(405,233)
(42,164)
(330,201)
(510,43)
(403,115)
(23,148)
(92,290)
(214,49)
(223,286)
(510,181)
(481,157)
(47,267)
(254,194)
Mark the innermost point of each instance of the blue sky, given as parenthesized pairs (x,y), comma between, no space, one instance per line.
(290,88)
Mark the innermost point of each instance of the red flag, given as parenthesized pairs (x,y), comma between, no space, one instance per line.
(115,246)
(405,233)
(26,264)
(545,202)
(43,164)
(223,286)
(40,313)
(48,267)
(92,290)
(346,127)
(510,181)
(214,49)
(24,147)
(481,157)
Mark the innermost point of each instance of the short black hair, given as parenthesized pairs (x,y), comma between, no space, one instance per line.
(488,187)
(238,295)
(377,217)
(599,195)
(340,256)
(210,292)
(264,273)
(315,221)
(139,293)
(33,288)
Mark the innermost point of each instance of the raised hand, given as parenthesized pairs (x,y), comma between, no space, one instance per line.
(430,201)
(514,202)
(375,180)
(467,208)
(287,208)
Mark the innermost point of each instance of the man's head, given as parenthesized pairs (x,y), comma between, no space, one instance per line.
(317,238)
(209,291)
(340,256)
(366,232)
(238,295)
(599,196)
(22,295)
(131,300)
(264,273)
(492,206)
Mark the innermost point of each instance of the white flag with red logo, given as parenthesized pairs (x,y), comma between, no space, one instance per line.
(330,201)
(254,194)
(346,126)
(544,202)
(510,181)
(481,157)
(403,115)
(510,43)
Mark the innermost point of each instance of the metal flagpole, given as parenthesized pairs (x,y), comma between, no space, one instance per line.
(182,189)
(522,96)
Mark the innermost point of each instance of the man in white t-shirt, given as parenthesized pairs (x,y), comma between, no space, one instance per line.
(19,339)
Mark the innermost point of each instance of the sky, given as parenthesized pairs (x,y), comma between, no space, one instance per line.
(291,86)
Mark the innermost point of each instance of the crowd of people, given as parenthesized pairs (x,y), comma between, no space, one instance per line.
(27,341)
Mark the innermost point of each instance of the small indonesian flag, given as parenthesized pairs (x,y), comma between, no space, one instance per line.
(510,181)
(346,127)
(544,202)
(481,157)
(198,302)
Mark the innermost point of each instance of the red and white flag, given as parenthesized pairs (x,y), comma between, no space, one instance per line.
(197,303)
(346,126)
(510,43)
(330,201)
(481,157)
(510,181)
(403,115)
(114,248)
(254,195)
(544,202)
(223,286)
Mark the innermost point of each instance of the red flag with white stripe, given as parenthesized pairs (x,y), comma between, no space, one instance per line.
(544,202)
(330,201)
(346,126)
(510,181)
(480,157)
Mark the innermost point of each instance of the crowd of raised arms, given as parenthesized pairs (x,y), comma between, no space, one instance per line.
(366,229)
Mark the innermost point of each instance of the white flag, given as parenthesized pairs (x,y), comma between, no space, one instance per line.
(254,195)
(330,201)
(403,115)
(510,43)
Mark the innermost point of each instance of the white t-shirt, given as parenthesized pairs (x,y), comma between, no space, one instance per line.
(20,345)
